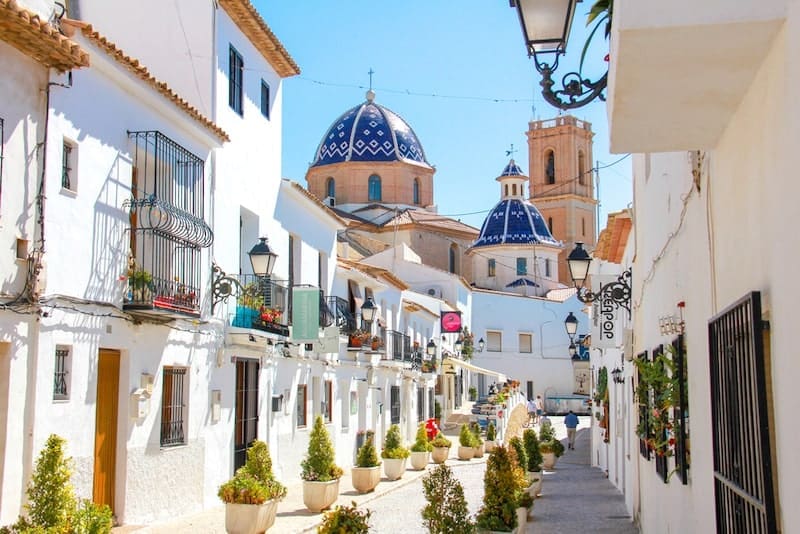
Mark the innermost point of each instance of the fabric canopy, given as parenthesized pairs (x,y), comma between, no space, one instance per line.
(475,369)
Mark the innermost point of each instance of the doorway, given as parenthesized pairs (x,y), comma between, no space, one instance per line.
(105,433)
(246,430)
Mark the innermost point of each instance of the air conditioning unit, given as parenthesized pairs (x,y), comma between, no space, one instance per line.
(434,291)
(330,201)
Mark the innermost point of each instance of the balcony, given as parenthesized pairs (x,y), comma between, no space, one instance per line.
(399,350)
(263,304)
(167,228)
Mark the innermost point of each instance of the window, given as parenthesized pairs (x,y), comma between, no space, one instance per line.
(416,190)
(395,404)
(526,343)
(330,187)
(235,81)
(494,341)
(420,404)
(349,401)
(583,226)
(265,99)
(302,416)
(172,407)
(453,259)
(522,266)
(581,168)
(22,249)
(326,408)
(68,166)
(375,187)
(61,373)
(491,267)
(514,189)
(550,167)
(547,267)
(550,224)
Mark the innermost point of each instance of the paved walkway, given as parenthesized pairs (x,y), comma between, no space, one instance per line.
(575,498)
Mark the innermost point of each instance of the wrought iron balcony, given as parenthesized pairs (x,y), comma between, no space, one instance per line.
(263,304)
(399,349)
(342,316)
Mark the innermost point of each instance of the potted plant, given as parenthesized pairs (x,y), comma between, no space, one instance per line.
(251,497)
(394,454)
(466,441)
(473,393)
(437,413)
(441,448)
(530,443)
(550,447)
(320,473)
(475,428)
(491,434)
(517,452)
(501,486)
(345,519)
(367,472)
(421,449)
(141,282)
(358,337)
(376,343)
(446,511)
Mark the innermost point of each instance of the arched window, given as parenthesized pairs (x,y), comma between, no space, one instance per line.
(416,190)
(550,224)
(330,188)
(583,226)
(375,187)
(514,189)
(505,189)
(550,167)
(453,259)
(581,168)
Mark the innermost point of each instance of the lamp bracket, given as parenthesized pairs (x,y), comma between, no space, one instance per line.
(223,286)
(576,91)
(619,292)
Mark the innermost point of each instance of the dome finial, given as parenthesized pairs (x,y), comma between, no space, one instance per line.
(370,96)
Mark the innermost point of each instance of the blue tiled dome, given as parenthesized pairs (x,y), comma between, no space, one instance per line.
(512,169)
(514,222)
(369,132)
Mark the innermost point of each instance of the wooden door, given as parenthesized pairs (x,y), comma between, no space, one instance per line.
(246,425)
(105,433)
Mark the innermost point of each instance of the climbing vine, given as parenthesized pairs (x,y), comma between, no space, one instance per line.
(601,391)
(658,389)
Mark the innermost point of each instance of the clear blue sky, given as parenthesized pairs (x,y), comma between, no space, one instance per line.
(470,53)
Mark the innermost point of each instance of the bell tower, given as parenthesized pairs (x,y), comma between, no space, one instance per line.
(562,182)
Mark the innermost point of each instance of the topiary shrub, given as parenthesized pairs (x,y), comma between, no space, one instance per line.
(465,437)
(254,482)
(393,445)
(345,519)
(475,428)
(531,445)
(548,441)
(319,464)
(441,441)
(446,511)
(421,443)
(490,432)
(367,455)
(518,454)
(501,492)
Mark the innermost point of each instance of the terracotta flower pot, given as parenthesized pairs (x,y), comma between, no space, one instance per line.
(365,478)
(478,451)
(319,496)
(440,454)
(419,460)
(250,518)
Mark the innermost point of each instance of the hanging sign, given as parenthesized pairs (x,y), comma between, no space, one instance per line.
(305,314)
(605,315)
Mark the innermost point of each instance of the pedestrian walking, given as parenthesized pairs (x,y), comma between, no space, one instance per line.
(539,403)
(531,412)
(571,422)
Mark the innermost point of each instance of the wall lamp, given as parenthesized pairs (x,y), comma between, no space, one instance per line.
(545,28)
(368,310)
(616,375)
(481,345)
(618,292)
(262,261)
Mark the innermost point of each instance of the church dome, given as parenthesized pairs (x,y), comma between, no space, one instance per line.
(369,132)
(514,220)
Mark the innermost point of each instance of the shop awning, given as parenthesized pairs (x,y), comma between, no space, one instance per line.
(475,369)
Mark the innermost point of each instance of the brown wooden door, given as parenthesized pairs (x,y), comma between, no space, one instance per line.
(105,434)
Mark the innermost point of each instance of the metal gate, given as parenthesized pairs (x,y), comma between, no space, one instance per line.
(743,490)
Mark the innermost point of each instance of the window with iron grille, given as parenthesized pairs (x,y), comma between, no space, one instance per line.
(302,415)
(235,80)
(662,460)
(61,373)
(245,409)
(327,401)
(681,413)
(420,404)
(173,407)
(264,99)
(740,419)
(68,165)
(395,404)
(431,403)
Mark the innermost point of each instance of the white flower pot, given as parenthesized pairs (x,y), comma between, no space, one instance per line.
(394,468)
(440,454)
(489,445)
(250,518)
(478,451)
(365,478)
(465,453)
(319,496)
(548,460)
(419,460)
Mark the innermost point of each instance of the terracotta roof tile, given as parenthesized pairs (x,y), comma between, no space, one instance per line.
(614,237)
(246,17)
(139,70)
(26,32)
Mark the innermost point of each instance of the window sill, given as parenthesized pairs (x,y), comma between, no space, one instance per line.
(69,192)
(165,448)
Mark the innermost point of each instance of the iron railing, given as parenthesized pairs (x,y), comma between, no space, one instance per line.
(172,432)
(743,471)
(262,304)
(662,465)
(398,346)
(644,420)
(60,390)
(246,416)
(341,314)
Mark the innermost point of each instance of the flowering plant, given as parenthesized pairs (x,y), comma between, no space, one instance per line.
(361,335)
(270,315)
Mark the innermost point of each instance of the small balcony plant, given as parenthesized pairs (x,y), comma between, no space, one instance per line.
(359,337)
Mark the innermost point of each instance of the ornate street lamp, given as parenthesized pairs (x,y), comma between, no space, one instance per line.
(262,260)
(545,28)
(618,292)
(481,345)
(368,310)
(430,348)
(458,345)
(571,326)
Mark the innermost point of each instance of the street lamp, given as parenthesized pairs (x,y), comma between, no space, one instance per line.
(481,345)
(262,260)
(573,351)
(430,348)
(458,345)
(618,292)
(368,310)
(545,28)
(571,325)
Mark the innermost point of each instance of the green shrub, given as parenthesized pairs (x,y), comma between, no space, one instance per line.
(531,446)
(501,493)
(490,432)
(393,445)
(421,444)
(367,455)
(548,441)
(546,432)
(319,464)
(519,455)
(475,428)
(465,437)
(437,410)
(441,441)
(446,511)
(254,482)
(345,520)
(473,393)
